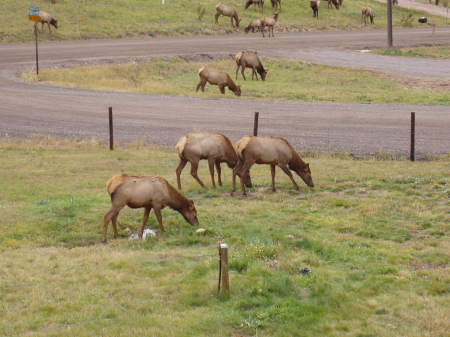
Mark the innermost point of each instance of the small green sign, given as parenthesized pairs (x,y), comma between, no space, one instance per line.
(33,11)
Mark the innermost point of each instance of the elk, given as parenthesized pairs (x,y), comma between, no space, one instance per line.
(214,147)
(254,25)
(217,77)
(259,3)
(145,192)
(314,4)
(334,3)
(227,11)
(269,23)
(367,12)
(248,59)
(274,151)
(276,3)
(45,17)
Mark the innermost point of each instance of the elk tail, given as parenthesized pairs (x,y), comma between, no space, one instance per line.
(181,145)
(113,183)
(238,56)
(241,144)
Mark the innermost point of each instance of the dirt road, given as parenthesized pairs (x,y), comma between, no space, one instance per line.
(358,128)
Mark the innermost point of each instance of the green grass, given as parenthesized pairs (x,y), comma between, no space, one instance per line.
(307,82)
(374,233)
(438,52)
(88,19)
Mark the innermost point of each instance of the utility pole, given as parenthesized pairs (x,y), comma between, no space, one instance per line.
(389,23)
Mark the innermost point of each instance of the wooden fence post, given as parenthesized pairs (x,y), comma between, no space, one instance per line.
(111,131)
(412,155)
(255,124)
(224,281)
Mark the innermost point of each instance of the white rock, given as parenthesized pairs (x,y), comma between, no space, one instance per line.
(201,231)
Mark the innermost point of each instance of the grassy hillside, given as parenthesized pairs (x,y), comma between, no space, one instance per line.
(374,233)
(307,82)
(86,19)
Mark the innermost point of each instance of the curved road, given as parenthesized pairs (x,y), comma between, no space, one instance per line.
(359,128)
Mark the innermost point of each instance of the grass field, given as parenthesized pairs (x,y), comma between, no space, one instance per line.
(437,52)
(307,82)
(374,233)
(87,19)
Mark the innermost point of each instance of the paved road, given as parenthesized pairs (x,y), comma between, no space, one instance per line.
(358,128)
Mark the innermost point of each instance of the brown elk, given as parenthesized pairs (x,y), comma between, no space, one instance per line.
(254,25)
(145,192)
(335,3)
(248,59)
(217,77)
(45,17)
(367,12)
(227,11)
(269,23)
(259,3)
(276,4)
(214,147)
(314,4)
(274,151)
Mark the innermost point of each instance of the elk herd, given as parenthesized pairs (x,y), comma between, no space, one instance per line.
(154,192)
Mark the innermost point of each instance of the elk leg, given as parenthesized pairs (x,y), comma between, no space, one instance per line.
(114,225)
(289,174)
(242,72)
(232,22)
(180,168)
(237,70)
(211,170)
(272,171)
(217,17)
(222,89)
(194,169)
(235,170)
(159,218)
(219,173)
(113,212)
(201,85)
(144,221)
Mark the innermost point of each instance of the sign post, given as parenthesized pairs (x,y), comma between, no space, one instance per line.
(33,15)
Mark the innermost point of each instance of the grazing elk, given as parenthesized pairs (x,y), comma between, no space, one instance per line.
(269,23)
(45,17)
(314,4)
(259,3)
(274,151)
(276,4)
(145,192)
(227,11)
(217,77)
(254,25)
(214,147)
(249,59)
(367,12)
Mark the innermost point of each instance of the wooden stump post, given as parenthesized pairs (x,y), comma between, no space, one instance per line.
(223,286)
(255,124)
(111,130)
(412,150)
